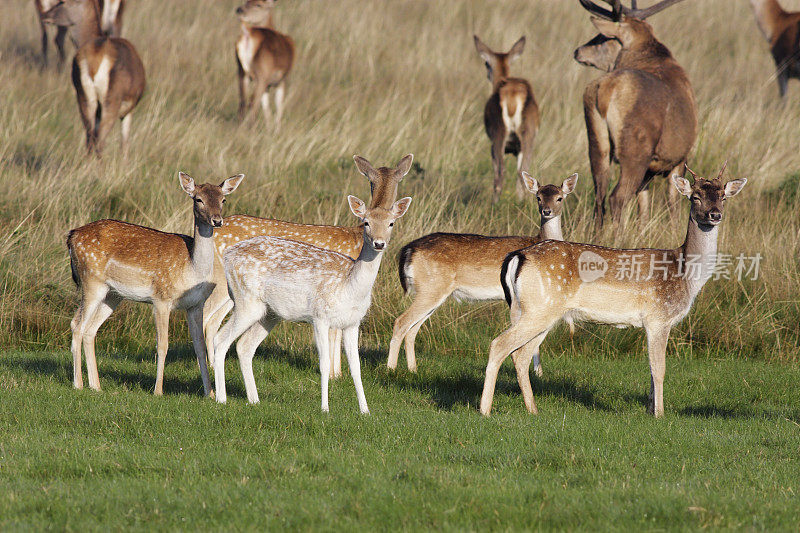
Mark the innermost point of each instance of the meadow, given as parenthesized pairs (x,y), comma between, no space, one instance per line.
(382,79)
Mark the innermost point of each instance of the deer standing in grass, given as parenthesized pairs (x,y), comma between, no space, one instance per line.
(511,115)
(113,261)
(273,279)
(553,280)
(781,29)
(383,182)
(642,113)
(465,266)
(42,6)
(107,73)
(264,58)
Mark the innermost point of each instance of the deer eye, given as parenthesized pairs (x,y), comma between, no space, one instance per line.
(223,200)
(198,200)
(696,199)
(366,223)
(391,224)
(559,199)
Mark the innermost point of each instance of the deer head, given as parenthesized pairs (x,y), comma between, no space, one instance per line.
(497,63)
(256,12)
(208,198)
(550,197)
(707,196)
(378,222)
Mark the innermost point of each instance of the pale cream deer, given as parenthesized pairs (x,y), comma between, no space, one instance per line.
(273,279)
(465,266)
(113,261)
(553,280)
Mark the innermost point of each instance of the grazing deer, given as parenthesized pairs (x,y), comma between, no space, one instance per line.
(273,279)
(781,29)
(42,6)
(383,184)
(113,261)
(264,58)
(642,113)
(107,73)
(644,288)
(511,115)
(465,266)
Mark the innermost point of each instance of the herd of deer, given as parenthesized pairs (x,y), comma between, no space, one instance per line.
(641,113)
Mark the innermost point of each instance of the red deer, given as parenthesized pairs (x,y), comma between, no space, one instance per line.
(345,240)
(465,266)
(264,58)
(107,73)
(511,115)
(642,113)
(273,279)
(552,280)
(781,29)
(113,261)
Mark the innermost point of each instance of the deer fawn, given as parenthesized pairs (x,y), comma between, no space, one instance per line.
(264,58)
(554,280)
(465,266)
(641,114)
(511,115)
(273,279)
(383,184)
(113,261)
(781,29)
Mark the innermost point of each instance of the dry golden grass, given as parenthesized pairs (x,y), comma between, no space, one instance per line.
(381,79)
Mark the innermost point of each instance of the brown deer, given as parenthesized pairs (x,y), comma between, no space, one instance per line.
(644,288)
(345,240)
(107,72)
(642,113)
(264,58)
(465,266)
(113,261)
(511,115)
(781,29)
(111,17)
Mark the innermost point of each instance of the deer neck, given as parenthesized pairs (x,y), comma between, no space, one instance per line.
(88,28)
(551,229)
(365,270)
(203,249)
(769,14)
(699,255)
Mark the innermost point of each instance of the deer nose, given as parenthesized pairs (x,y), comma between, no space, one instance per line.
(715,216)
(546,212)
(379,245)
(216,221)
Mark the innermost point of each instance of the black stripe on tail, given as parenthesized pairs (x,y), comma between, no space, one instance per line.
(73,268)
(405,256)
(504,270)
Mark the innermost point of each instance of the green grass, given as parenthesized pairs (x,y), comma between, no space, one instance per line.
(724,455)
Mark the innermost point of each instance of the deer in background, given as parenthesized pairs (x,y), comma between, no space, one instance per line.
(465,266)
(111,17)
(511,115)
(113,261)
(107,73)
(781,29)
(642,113)
(383,182)
(273,279)
(264,58)
(552,280)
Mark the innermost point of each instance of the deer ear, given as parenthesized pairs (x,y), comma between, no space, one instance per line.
(400,207)
(364,166)
(187,183)
(517,49)
(733,187)
(483,50)
(609,28)
(358,207)
(683,185)
(404,165)
(230,184)
(569,184)
(530,182)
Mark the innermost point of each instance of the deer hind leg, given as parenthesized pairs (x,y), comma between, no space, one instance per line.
(61,35)
(87,101)
(126,134)
(213,315)
(280,95)
(657,337)
(43,28)
(244,90)
(265,109)
(109,113)
(321,338)
(161,312)
(335,343)
(783,81)
(522,362)
(92,295)
(426,301)
(599,152)
(350,336)
(632,173)
(194,318)
(101,314)
(246,349)
(498,150)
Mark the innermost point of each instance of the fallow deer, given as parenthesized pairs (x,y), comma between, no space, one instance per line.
(644,288)
(264,58)
(642,113)
(42,6)
(273,279)
(465,266)
(781,29)
(113,261)
(383,182)
(107,73)
(511,115)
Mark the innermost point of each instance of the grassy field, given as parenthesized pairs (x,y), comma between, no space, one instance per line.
(382,79)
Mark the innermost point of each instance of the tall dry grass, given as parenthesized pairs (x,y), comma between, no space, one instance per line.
(381,79)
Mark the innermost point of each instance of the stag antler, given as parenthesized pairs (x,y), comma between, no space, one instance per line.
(722,170)
(689,170)
(617,9)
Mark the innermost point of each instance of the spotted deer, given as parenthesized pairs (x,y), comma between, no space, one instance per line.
(383,182)
(465,266)
(511,115)
(273,279)
(644,288)
(642,113)
(107,73)
(264,58)
(781,29)
(113,261)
